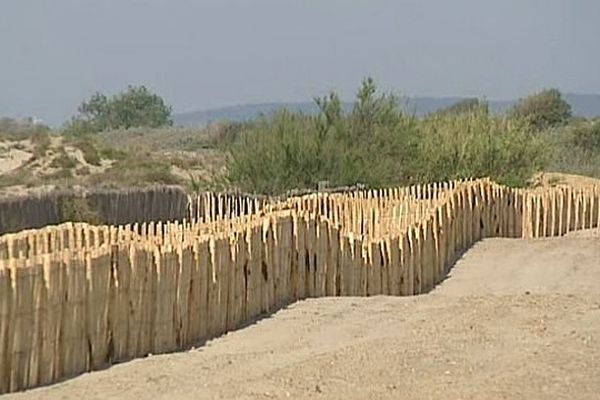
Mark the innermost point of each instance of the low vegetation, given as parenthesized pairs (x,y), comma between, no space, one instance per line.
(575,148)
(378,144)
(543,110)
(128,140)
(11,129)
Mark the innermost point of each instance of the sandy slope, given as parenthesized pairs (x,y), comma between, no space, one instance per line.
(558,178)
(515,320)
(13,155)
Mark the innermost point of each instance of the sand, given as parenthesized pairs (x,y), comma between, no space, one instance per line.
(549,178)
(516,319)
(13,155)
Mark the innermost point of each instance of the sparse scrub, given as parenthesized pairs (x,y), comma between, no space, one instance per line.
(41,143)
(223,135)
(18,177)
(58,175)
(153,139)
(11,129)
(112,154)
(575,148)
(135,172)
(63,160)
(586,135)
(89,151)
(82,171)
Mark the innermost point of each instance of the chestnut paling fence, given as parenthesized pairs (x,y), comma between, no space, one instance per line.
(107,206)
(77,297)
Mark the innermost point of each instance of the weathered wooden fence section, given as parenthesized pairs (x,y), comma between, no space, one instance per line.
(77,297)
(161,203)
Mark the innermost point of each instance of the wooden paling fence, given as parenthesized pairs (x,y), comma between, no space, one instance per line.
(108,206)
(76,297)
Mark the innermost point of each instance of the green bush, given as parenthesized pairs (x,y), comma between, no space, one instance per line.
(223,135)
(378,145)
(371,145)
(586,135)
(476,144)
(543,110)
(575,148)
(135,107)
(90,153)
(63,160)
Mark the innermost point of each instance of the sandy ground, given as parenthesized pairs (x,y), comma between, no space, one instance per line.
(558,178)
(515,319)
(12,157)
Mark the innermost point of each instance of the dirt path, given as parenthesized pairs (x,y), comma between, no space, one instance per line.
(516,319)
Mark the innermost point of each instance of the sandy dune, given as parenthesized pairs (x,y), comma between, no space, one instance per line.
(558,178)
(12,157)
(515,319)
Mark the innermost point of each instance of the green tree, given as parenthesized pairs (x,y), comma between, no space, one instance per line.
(373,144)
(134,107)
(543,109)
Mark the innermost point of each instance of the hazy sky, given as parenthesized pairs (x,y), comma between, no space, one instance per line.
(203,54)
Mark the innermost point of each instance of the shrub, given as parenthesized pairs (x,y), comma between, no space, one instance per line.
(133,171)
(41,143)
(60,174)
(18,130)
(378,145)
(543,109)
(225,134)
(575,148)
(134,107)
(586,135)
(475,144)
(16,177)
(63,160)
(112,154)
(370,145)
(82,171)
(89,151)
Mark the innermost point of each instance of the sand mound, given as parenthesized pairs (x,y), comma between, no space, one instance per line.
(557,178)
(13,155)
